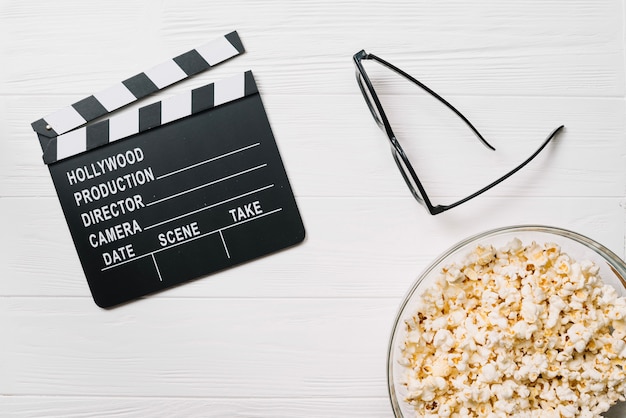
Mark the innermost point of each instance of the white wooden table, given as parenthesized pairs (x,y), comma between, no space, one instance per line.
(302,333)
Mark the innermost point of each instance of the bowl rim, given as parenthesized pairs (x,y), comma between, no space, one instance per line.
(617,264)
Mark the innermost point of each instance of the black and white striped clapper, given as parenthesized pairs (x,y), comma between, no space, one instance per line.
(158,195)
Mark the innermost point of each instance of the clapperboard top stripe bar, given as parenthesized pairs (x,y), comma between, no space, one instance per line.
(133,121)
(137,87)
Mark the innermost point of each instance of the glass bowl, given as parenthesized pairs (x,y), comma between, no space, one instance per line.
(578,247)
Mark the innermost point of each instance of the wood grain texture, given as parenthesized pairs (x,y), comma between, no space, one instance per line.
(534,48)
(167,407)
(354,247)
(304,347)
(302,333)
(332,147)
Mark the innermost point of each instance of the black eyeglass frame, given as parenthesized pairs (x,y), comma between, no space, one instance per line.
(398,153)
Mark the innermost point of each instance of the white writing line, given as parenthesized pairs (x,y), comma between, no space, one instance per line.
(209,207)
(207,184)
(192,239)
(224,243)
(208,161)
(157,267)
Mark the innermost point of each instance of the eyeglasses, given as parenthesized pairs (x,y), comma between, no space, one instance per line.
(406,169)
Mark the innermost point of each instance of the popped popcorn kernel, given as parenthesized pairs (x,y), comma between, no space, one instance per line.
(518,331)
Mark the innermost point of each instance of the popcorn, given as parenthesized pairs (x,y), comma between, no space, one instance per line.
(519,331)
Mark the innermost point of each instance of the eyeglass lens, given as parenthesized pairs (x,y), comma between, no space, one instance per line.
(369,99)
(406,175)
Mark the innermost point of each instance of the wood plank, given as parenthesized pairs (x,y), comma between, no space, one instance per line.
(234,348)
(354,247)
(165,407)
(536,48)
(332,147)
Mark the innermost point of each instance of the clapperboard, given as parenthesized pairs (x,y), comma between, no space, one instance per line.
(174,190)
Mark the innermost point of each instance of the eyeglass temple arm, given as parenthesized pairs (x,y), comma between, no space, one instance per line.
(434,94)
(504,177)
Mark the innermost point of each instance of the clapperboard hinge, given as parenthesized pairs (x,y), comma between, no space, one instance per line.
(66,132)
